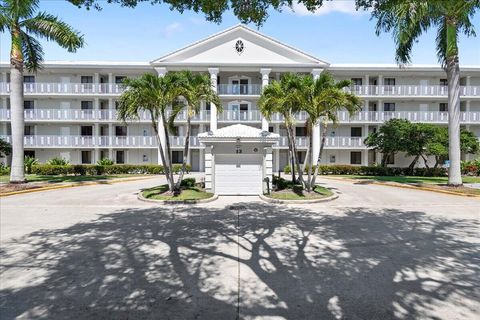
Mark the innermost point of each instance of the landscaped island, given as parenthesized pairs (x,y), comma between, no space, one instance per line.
(190,191)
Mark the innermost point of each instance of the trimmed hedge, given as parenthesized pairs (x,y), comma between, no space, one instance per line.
(376,171)
(95,170)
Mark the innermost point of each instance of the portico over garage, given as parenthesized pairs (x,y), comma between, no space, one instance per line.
(238,159)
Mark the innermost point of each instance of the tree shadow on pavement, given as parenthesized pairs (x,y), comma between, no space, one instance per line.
(183,263)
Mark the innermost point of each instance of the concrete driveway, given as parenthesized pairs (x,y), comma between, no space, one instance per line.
(375,253)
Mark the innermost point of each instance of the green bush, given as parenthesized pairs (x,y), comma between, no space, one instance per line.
(177,168)
(287,169)
(280,183)
(188,183)
(93,169)
(58,162)
(105,162)
(4,169)
(28,162)
(51,170)
(471,168)
(375,171)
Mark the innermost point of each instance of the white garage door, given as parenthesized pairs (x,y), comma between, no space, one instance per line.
(238,174)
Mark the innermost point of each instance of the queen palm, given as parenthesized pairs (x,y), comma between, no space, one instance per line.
(18,18)
(408,19)
(154,95)
(327,98)
(193,89)
(285,97)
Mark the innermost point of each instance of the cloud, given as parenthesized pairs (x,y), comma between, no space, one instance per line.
(172,29)
(341,6)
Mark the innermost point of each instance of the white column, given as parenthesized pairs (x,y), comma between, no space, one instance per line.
(380,80)
(209,166)
(365,157)
(213,108)
(161,71)
(265,77)
(202,161)
(467,80)
(267,167)
(316,128)
(110,82)
(367,83)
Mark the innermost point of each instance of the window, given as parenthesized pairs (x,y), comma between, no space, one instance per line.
(390,159)
(270,129)
(145,133)
(443,107)
(444,82)
(301,131)
(29,153)
(389,81)
(389,106)
(28,79)
(29,130)
(120,158)
(356,131)
(356,157)
(28,105)
(301,157)
(119,79)
(333,159)
(86,79)
(86,157)
(116,105)
(120,131)
(145,158)
(357,81)
(86,105)
(86,131)
(208,106)
(177,156)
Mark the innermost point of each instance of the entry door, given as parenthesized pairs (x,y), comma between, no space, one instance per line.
(238,174)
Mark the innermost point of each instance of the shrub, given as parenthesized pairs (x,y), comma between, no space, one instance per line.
(471,168)
(188,183)
(177,168)
(4,169)
(51,170)
(105,162)
(58,162)
(280,183)
(28,162)
(287,169)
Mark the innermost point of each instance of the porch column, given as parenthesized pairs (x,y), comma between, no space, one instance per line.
(267,168)
(201,166)
(265,77)
(316,128)
(213,108)
(161,71)
(367,83)
(209,162)
(110,141)
(365,157)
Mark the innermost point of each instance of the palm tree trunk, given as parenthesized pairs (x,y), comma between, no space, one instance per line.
(412,165)
(290,149)
(319,159)
(453,76)
(162,155)
(297,162)
(168,153)
(309,160)
(185,153)
(17,173)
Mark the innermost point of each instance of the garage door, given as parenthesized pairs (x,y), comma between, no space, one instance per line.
(238,174)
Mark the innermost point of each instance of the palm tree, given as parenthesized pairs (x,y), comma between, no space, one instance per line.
(327,98)
(408,19)
(19,19)
(193,89)
(285,97)
(154,95)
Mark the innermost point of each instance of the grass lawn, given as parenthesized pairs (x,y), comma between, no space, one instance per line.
(411,179)
(158,193)
(54,179)
(288,194)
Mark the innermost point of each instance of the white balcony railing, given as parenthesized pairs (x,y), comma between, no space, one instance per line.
(301,142)
(239,89)
(411,90)
(344,142)
(65,141)
(229,89)
(235,116)
(413,116)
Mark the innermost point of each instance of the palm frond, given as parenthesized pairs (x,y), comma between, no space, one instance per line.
(32,52)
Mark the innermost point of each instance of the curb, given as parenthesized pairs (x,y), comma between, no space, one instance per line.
(403,186)
(72,185)
(279,201)
(142,198)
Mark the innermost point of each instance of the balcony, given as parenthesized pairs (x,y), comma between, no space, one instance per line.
(43,88)
(60,141)
(344,142)
(413,116)
(236,116)
(412,91)
(239,89)
(301,142)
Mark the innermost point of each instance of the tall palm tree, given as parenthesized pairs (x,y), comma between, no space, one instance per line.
(285,97)
(327,98)
(407,20)
(18,18)
(154,95)
(193,89)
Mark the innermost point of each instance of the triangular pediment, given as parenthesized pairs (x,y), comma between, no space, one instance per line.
(221,49)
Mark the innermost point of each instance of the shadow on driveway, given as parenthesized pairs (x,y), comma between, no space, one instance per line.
(183,263)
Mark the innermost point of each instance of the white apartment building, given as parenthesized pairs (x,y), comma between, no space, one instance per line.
(70,107)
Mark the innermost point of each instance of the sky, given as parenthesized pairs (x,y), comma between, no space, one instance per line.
(336,33)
